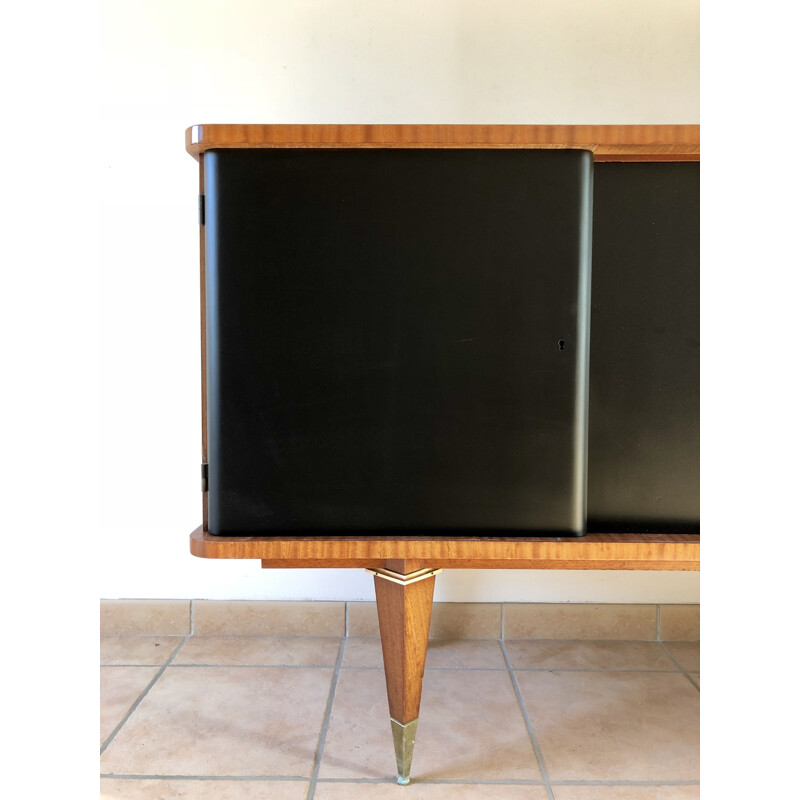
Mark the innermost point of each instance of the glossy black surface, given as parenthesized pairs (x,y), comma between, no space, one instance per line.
(396,340)
(644,406)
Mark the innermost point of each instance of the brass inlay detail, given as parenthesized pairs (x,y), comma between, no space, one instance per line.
(399,577)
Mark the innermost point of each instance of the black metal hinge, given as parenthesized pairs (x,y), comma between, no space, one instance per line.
(201,208)
(204,477)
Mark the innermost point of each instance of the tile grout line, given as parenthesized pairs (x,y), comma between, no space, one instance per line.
(376,637)
(510,782)
(312,784)
(502,621)
(141,697)
(346,619)
(191,618)
(442,781)
(390,781)
(427,668)
(210,778)
(579,669)
(677,664)
(626,783)
(528,724)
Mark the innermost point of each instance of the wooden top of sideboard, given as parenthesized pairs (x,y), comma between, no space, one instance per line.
(607,142)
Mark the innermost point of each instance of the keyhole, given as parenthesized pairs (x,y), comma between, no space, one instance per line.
(561,344)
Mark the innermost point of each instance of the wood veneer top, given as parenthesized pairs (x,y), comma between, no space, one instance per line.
(594,551)
(607,142)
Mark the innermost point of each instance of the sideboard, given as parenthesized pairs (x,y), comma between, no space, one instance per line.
(634,472)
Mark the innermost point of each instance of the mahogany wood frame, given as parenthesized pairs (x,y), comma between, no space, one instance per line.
(404,607)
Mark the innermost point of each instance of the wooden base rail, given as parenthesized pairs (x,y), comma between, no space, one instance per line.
(643,551)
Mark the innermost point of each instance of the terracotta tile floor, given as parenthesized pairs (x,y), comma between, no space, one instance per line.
(296,718)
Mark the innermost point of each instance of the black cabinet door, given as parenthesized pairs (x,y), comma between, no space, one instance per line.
(397,340)
(644,406)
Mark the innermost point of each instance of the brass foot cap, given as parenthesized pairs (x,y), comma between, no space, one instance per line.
(404,737)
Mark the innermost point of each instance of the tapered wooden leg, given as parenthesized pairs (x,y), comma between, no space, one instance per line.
(404,593)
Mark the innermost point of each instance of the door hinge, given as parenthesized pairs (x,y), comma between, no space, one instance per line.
(201,208)
(204,477)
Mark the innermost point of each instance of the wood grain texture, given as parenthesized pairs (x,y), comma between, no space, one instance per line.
(594,551)
(403,565)
(404,618)
(607,142)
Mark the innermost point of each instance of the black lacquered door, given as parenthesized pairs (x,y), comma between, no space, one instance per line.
(644,407)
(397,340)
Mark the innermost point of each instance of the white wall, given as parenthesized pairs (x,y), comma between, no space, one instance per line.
(168,64)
